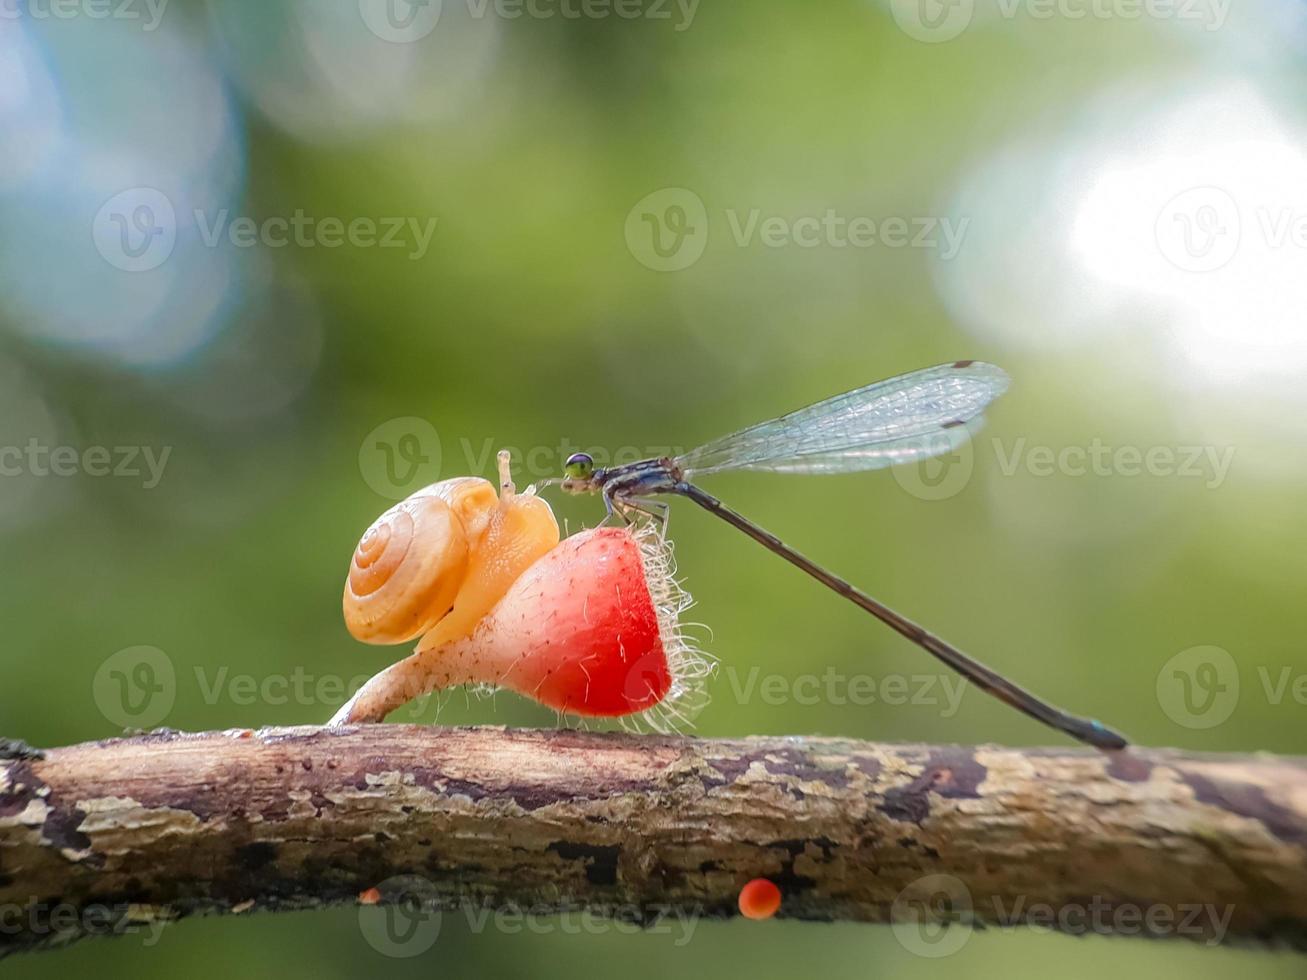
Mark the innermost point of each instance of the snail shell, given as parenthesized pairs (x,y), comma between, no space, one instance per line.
(435,563)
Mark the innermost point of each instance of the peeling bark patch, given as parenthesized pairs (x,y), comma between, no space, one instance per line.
(60,828)
(906,805)
(1129,768)
(437,782)
(601,859)
(16,748)
(319,801)
(530,796)
(869,767)
(951,773)
(729,770)
(20,790)
(793,763)
(1248,800)
(798,765)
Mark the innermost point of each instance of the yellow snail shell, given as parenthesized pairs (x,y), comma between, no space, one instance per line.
(434,564)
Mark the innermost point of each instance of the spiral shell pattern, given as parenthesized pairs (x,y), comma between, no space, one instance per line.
(406,571)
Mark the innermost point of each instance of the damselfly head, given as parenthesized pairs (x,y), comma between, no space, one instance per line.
(579,474)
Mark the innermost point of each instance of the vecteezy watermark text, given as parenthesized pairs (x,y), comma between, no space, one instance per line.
(668,230)
(945,473)
(136,230)
(1208,463)
(407,21)
(404,454)
(403,918)
(935,915)
(936,21)
(680,12)
(834,230)
(306,231)
(148,12)
(120,462)
(939,691)
(44,918)
(137,687)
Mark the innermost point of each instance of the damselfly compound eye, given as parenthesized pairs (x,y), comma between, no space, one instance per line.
(579,466)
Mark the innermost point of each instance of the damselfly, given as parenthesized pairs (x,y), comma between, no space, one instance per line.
(912,417)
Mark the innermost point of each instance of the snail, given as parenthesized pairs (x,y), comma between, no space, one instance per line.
(587,625)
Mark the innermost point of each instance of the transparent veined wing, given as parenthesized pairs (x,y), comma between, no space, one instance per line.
(910,417)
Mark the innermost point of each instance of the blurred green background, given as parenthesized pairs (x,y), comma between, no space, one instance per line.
(1124,192)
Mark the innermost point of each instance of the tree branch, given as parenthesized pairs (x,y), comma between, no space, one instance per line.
(165,825)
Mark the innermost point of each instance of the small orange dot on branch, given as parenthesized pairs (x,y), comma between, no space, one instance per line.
(369,896)
(759,899)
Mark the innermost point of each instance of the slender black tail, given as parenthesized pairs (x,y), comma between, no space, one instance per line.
(1084,729)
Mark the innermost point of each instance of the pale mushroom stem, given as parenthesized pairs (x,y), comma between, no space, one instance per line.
(397,685)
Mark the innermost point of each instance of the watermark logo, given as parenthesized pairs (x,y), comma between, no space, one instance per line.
(932,916)
(1199,687)
(932,21)
(136,687)
(406,923)
(667,231)
(136,229)
(940,476)
(1199,229)
(400,21)
(400,456)
(1204,229)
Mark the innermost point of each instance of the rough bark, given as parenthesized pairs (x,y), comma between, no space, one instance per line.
(165,825)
